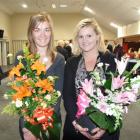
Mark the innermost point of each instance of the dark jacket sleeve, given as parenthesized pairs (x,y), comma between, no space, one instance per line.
(58,70)
(69,94)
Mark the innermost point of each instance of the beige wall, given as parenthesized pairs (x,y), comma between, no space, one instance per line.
(64,25)
(108,35)
(5,23)
(131,29)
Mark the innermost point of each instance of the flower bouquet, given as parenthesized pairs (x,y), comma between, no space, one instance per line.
(34,97)
(105,100)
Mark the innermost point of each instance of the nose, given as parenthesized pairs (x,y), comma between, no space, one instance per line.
(42,33)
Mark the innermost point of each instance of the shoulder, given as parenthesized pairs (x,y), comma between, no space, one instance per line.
(59,61)
(59,58)
(20,52)
(107,57)
(72,62)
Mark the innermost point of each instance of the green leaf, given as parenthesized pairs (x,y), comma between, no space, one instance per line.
(54,133)
(101,119)
(108,84)
(10,92)
(9,109)
(136,66)
(35,129)
(26,51)
(19,83)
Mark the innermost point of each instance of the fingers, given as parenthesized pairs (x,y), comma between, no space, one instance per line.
(28,135)
(95,130)
(24,130)
(97,133)
(79,127)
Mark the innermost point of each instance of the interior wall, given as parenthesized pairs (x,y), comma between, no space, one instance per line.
(64,25)
(5,24)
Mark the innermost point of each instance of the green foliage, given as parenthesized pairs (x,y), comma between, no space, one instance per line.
(35,129)
(101,119)
(108,84)
(54,134)
(10,109)
(10,92)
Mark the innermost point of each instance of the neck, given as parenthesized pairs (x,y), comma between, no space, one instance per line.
(42,51)
(90,55)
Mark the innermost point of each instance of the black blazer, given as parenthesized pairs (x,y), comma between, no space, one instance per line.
(69,91)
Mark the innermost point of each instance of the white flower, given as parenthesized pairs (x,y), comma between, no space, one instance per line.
(100,64)
(19,57)
(5,96)
(51,78)
(58,93)
(48,97)
(44,105)
(26,103)
(135,82)
(121,65)
(19,103)
(10,55)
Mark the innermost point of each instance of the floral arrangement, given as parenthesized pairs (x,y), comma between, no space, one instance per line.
(105,100)
(33,96)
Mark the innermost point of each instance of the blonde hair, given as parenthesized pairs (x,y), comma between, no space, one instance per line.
(90,22)
(35,20)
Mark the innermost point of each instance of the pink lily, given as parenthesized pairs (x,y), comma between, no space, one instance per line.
(126,97)
(117,82)
(82,103)
(88,86)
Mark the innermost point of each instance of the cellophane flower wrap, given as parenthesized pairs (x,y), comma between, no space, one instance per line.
(107,101)
(33,96)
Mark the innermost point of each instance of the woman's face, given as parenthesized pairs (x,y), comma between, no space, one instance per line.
(87,39)
(42,34)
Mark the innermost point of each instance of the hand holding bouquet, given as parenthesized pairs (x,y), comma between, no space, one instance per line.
(106,100)
(33,96)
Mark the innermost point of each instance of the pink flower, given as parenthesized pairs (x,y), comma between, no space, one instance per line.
(82,103)
(102,106)
(117,82)
(126,97)
(87,86)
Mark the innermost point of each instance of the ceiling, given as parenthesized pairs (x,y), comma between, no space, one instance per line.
(121,12)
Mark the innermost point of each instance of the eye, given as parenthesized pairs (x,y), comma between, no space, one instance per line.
(36,29)
(47,29)
(89,36)
(80,36)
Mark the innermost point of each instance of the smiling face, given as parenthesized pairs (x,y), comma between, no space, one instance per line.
(42,34)
(87,39)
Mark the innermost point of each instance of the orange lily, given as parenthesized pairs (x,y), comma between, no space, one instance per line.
(22,91)
(45,85)
(16,70)
(39,67)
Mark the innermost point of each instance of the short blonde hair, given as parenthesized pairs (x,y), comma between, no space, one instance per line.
(90,22)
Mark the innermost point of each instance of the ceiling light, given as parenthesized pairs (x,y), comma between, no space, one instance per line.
(89,10)
(24,5)
(53,6)
(63,5)
(114,25)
